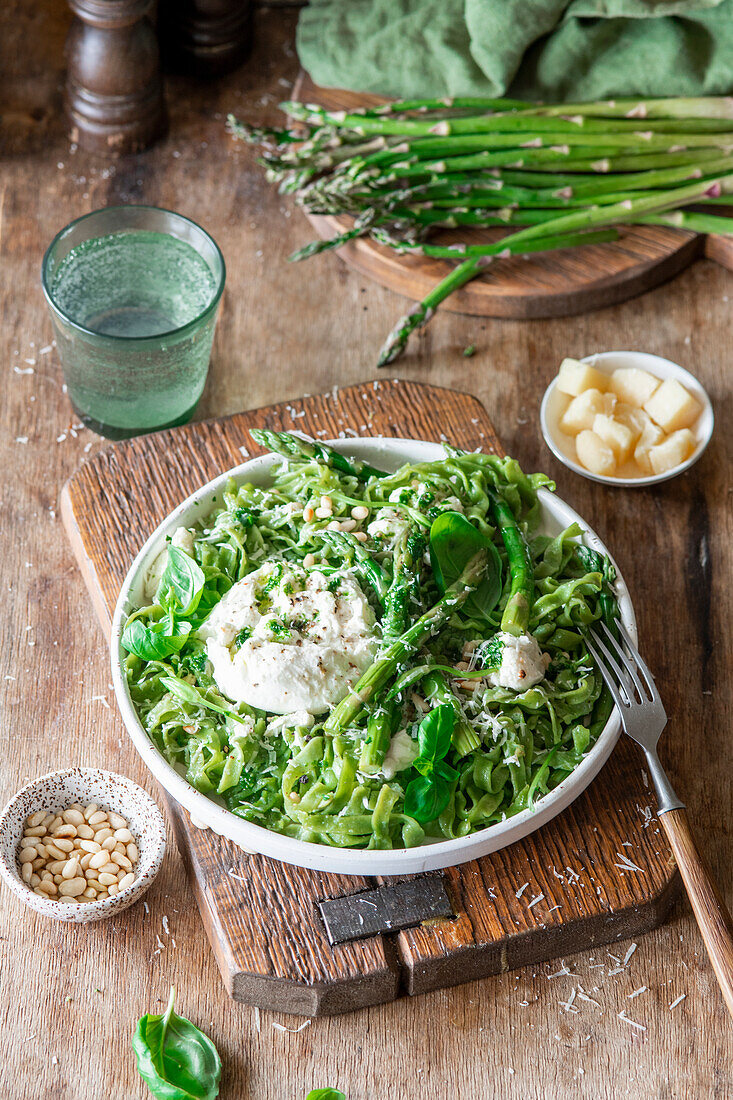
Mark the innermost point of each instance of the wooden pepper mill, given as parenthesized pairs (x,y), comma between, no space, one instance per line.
(114,91)
(204,37)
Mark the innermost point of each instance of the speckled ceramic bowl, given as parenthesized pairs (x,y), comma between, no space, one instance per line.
(57,791)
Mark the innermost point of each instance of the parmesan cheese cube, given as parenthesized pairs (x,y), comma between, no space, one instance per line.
(633,385)
(651,436)
(632,418)
(672,451)
(574,377)
(583,409)
(615,435)
(672,407)
(594,454)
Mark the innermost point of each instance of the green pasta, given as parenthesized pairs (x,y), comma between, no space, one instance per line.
(341,777)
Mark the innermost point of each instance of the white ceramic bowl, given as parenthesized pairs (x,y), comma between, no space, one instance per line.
(563,446)
(56,791)
(387,454)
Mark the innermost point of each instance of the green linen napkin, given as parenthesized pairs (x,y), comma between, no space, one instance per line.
(532,49)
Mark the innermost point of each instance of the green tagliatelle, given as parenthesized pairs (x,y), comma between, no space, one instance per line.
(318,779)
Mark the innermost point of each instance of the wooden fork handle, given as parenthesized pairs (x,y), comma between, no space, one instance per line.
(711,913)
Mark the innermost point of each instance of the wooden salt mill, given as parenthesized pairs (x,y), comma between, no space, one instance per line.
(114,91)
(204,37)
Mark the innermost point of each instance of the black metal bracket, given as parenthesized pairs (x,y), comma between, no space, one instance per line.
(385,909)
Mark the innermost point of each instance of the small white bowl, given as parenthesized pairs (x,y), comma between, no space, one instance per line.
(563,446)
(56,791)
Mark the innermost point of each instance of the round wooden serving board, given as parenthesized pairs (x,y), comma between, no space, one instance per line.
(546,284)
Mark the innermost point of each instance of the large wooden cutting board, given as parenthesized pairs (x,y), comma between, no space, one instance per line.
(543,284)
(561,890)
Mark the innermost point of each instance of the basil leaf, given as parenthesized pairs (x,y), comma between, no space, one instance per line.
(426,797)
(434,735)
(453,542)
(151,643)
(187,693)
(184,578)
(325,1094)
(176,1060)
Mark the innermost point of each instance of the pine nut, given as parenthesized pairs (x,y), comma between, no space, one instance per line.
(35,880)
(91,874)
(86,832)
(360,512)
(116,820)
(73,817)
(99,859)
(90,893)
(107,879)
(77,806)
(36,830)
(347,524)
(71,901)
(25,872)
(109,844)
(121,861)
(327,504)
(323,513)
(46,887)
(119,847)
(27,855)
(31,842)
(96,818)
(46,876)
(334,525)
(361,536)
(71,870)
(89,810)
(71,888)
(63,845)
(132,852)
(39,863)
(102,834)
(58,820)
(123,835)
(57,879)
(65,831)
(55,852)
(308,514)
(56,866)
(48,820)
(128,880)
(90,846)
(309,561)
(36,818)
(84,861)
(113,889)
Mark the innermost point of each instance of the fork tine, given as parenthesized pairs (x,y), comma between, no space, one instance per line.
(620,674)
(621,703)
(626,661)
(639,660)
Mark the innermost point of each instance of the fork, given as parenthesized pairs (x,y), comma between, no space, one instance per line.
(643,718)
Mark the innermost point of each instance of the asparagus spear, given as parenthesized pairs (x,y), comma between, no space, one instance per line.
(292,446)
(384,668)
(378,737)
(464,738)
(407,553)
(363,561)
(515,618)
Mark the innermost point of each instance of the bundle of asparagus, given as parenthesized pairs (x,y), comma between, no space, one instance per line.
(565,174)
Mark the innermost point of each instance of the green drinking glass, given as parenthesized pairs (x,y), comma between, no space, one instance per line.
(133,293)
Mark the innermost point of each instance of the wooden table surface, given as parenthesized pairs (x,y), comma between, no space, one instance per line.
(71,996)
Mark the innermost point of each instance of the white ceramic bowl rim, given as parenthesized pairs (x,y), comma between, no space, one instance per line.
(151,845)
(655,364)
(393,452)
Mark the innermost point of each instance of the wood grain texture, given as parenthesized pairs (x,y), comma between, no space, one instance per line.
(112,504)
(711,912)
(287,329)
(547,284)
